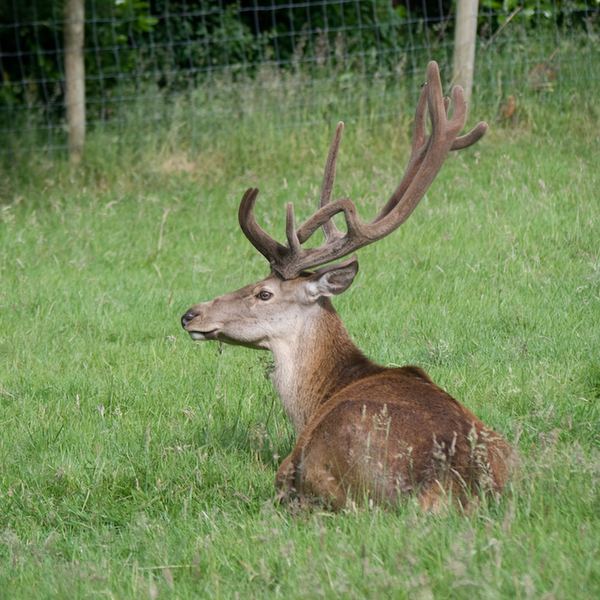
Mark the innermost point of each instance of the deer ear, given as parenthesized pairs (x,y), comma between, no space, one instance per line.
(332,280)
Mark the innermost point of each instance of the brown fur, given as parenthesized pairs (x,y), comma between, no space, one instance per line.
(390,434)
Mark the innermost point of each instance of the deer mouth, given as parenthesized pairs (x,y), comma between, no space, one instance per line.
(204,335)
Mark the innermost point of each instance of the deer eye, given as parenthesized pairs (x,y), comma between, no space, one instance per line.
(264,295)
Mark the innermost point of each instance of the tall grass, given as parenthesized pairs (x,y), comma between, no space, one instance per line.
(136,463)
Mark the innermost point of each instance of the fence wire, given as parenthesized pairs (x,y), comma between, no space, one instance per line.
(188,67)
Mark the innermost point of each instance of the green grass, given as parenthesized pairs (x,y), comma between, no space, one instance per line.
(139,464)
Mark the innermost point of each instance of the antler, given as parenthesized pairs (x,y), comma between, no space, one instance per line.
(426,160)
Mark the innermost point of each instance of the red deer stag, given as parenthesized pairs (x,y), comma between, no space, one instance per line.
(366,432)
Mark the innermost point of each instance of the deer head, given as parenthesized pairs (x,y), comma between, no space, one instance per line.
(245,317)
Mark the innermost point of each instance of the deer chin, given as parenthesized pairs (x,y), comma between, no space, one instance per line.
(216,335)
(201,336)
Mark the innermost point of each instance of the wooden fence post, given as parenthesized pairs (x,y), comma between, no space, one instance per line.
(464,45)
(74,14)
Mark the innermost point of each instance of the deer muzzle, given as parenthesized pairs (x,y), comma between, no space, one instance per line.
(199,331)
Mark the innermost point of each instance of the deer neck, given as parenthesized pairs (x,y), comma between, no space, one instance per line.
(316,361)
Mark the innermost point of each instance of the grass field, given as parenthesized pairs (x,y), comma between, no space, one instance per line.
(139,464)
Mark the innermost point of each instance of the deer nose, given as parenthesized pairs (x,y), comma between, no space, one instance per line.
(185,320)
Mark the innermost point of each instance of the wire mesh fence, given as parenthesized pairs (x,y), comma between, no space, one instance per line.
(186,68)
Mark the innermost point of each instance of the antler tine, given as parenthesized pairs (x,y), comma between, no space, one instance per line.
(420,123)
(419,149)
(290,231)
(435,99)
(323,215)
(459,110)
(272,250)
(329,228)
(464,141)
